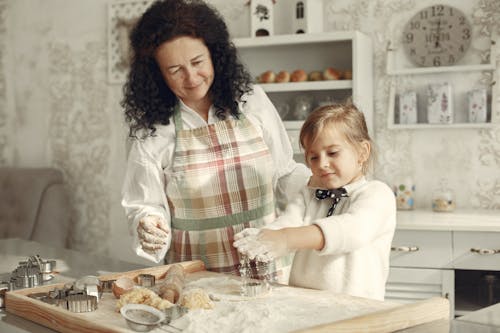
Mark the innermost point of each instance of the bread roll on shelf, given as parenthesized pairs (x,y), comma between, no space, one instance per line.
(315,76)
(331,74)
(298,75)
(347,75)
(267,77)
(283,77)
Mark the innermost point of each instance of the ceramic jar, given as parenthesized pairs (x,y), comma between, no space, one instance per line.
(404,189)
(443,199)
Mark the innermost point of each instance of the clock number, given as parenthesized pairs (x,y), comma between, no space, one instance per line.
(415,25)
(462,20)
(437,10)
(436,61)
(422,60)
(409,38)
(451,59)
(423,15)
(466,34)
(461,48)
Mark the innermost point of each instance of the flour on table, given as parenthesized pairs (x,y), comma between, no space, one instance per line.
(283,309)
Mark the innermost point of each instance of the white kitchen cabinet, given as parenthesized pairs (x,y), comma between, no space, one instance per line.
(476,250)
(429,249)
(345,51)
(447,254)
(407,285)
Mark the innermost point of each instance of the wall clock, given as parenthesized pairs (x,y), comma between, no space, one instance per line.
(437,35)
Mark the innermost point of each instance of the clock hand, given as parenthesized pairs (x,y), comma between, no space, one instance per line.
(438,33)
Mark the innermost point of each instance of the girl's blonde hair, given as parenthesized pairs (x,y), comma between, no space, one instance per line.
(347,119)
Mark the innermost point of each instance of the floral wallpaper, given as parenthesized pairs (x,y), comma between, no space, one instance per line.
(57,107)
(78,131)
(4,133)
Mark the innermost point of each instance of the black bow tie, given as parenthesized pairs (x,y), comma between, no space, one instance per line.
(335,194)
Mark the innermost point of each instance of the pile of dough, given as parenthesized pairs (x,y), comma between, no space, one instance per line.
(196,298)
(143,296)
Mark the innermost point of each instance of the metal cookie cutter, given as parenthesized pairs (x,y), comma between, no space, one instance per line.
(107,285)
(90,284)
(32,272)
(26,277)
(47,267)
(146,280)
(69,298)
(81,303)
(4,287)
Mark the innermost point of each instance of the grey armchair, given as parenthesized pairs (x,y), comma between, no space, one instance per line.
(34,205)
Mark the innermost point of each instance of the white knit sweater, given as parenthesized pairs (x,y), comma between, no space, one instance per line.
(355,258)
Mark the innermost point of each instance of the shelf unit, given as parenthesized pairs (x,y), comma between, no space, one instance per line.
(349,50)
(444,73)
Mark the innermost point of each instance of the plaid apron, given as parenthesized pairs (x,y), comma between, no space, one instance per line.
(221,183)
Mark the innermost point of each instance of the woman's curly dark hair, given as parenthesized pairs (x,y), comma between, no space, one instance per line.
(148,100)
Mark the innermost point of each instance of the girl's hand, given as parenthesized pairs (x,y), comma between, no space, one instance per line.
(153,233)
(262,244)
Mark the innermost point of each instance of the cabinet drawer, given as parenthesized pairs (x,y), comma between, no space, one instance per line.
(476,250)
(405,285)
(427,249)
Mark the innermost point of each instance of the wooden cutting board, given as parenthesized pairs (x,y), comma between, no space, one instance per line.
(284,309)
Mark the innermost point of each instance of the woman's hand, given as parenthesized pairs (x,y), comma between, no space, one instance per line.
(153,233)
(262,244)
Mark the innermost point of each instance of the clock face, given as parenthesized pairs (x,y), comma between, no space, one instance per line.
(438,35)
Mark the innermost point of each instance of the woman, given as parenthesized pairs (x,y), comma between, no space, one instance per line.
(210,155)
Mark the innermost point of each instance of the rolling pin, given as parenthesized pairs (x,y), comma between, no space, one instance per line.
(173,283)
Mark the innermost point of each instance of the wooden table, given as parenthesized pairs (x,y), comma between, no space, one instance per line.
(284,309)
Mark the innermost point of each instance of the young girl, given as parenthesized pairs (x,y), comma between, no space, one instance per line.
(341,224)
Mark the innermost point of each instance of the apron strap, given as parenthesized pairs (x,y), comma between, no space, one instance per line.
(178,118)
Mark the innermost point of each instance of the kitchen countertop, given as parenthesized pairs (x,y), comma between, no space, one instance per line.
(458,220)
(486,320)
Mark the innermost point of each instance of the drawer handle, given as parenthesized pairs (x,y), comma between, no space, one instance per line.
(405,248)
(484,251)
